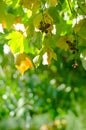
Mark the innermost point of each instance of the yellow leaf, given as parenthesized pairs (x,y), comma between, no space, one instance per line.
(51,54)
(62,42)
(34,5)
(48,55)
(23,62)
(53,2)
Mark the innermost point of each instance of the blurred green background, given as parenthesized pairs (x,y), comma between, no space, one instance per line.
(46,98)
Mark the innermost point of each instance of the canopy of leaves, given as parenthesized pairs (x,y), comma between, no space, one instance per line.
(36,26)
(48,37)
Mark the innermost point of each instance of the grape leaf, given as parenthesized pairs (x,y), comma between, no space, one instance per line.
(23,62)
(48,56)
(52,2)
(32,4)
(80,27)
(5,18)
(82,31)
(54,15)
(62,42)
(51,54)
(16,41)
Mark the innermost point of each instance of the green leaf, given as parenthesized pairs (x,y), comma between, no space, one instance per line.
(82,41)
(50,41)
(82,7)
(51,54)
(1,49)
(30,27)
(32,45)
(82,31)
(2,38)
(26,45)
(63,27)
(5,18)
(16,41)
(54,15)
(37,39)
(80,28)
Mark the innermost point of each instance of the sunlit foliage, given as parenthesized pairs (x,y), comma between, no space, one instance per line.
(42,64)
